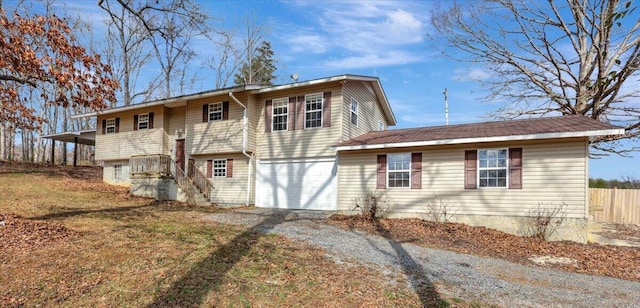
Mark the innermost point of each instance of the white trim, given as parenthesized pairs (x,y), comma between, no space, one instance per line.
(603,132)
(403,170)
(213,168)
(284,100)
(321,110)
(352,112)
(214,111)
(506,168)
(106,126)
(146,121)
(298,160)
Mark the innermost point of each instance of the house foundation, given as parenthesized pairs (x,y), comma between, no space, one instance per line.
(159,188)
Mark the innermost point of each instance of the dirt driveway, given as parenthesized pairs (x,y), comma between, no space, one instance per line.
(474,279)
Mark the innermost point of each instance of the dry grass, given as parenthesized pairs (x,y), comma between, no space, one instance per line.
(126,251)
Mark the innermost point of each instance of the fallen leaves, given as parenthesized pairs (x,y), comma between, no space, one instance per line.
(618,262)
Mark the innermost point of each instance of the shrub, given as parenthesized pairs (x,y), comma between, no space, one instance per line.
(440,210)
(545,220)
(372,205)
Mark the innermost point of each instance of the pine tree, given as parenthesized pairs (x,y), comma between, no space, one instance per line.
(259,67)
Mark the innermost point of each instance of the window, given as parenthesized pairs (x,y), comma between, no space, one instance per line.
(280,113)
(354,111)
(492,168)
(117,172)
(313,110)
(215,111)
(219,167)
(399,168)
(380,126)
(111,126)
(143,121)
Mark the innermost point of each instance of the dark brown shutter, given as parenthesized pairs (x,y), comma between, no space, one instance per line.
(225,110)
(300,108)
(117,125)
(326,110)
(150,120)
(135,122)
(291,114)
(470,166)
(229,167)
(416,170)
(104,127)
(268,111)
(209,168)
(382,172)
(515,168)
(205,113)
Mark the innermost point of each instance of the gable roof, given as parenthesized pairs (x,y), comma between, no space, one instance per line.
(511,130)
(255,89)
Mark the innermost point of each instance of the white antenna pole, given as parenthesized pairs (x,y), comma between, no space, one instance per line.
(446,107)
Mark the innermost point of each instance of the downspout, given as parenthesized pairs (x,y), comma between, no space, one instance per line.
(244,144)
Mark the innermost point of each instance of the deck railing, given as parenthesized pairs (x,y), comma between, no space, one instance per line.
(150,165)
(182,180)
(198,179)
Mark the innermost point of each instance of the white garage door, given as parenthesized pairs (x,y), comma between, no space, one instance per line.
(303,184)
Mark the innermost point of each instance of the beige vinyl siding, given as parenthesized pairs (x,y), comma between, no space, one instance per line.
(310,142)
(553,172)
(214,136)
(128,142)
(174,120)
(231,190)
(369,110)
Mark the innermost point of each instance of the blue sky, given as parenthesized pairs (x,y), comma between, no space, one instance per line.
(386,39)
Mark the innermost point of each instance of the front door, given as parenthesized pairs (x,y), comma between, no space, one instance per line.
(180,153)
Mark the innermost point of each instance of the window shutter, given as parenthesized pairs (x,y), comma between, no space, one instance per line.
(416,170)
(205,113)
(229,167)
(382,172)
(268,111)
(117,125)
(150,120)
(104,127)
(225,110)
(300,108)
(515,168)
(209,168)
(135,122)
(291,114)
(470,166)
(326,110)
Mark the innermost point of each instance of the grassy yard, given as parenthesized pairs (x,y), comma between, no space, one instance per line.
(83,243)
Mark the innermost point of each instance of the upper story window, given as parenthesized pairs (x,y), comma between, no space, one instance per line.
(143,121)
(399,169)
(380,126)
(493,167)
(215,111)
(219,167)
(280,113)
(354,111)
(110,125)
(313,110)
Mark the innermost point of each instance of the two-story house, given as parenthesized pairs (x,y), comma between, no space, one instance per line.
(321,144)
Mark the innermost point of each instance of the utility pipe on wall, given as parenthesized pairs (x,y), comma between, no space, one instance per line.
(244,144)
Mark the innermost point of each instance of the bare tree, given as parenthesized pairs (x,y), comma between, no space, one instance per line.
(226,60)
(252,38)
(573,57)
(127,50)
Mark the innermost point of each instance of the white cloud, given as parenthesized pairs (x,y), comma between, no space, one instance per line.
(363,33)
(471,74)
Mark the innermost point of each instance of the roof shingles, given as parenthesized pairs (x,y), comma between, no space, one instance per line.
(566,124)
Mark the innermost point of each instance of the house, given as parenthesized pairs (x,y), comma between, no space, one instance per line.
(320,144)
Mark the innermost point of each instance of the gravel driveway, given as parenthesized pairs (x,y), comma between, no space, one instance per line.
(481,279)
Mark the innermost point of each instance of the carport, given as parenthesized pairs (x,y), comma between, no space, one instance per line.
(86,137)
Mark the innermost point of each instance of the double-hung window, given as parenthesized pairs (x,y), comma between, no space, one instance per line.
(313,110)
(143,121)
(354,111)
(399,169)
(117,172)
(110,126)
(215,111)
(493,167)
(219,167)
(380,126)
(280,113)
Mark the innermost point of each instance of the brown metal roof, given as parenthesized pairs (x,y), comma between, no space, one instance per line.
(566,124)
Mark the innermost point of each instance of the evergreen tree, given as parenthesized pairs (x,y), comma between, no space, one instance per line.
(259,67)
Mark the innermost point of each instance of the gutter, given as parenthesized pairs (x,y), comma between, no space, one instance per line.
(244,144)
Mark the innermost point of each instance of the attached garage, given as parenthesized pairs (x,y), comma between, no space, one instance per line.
(297,184)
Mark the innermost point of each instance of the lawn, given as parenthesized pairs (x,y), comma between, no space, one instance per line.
(70,240)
